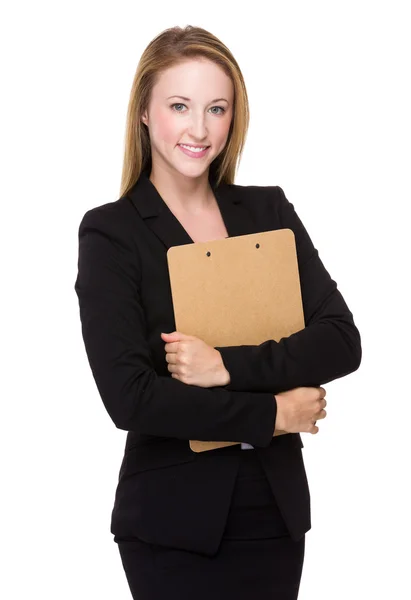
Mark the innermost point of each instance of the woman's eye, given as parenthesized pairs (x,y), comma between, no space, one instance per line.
(179,104)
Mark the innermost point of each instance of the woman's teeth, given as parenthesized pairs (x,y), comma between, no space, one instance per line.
(192,149)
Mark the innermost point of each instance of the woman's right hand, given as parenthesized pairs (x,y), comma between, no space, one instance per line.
(299,408)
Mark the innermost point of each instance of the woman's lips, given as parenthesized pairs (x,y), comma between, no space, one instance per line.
(193,154)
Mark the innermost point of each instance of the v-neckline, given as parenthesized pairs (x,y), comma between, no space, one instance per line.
(238,220)
(177,221)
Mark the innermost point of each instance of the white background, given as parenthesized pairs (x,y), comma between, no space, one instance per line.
(328,85)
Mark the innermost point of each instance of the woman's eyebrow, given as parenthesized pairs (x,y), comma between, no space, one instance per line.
(188,99)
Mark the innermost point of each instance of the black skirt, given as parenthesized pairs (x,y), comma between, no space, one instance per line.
(257,559)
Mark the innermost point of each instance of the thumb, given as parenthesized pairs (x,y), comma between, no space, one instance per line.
(175,335)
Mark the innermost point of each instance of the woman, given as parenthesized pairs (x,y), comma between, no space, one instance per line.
(230,522)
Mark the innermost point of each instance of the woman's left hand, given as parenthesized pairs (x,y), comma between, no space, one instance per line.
(194,362)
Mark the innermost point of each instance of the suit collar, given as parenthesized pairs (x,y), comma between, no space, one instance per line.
(165,225)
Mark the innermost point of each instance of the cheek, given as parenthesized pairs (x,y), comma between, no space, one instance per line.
(220,131)
(165,129)
(221,127)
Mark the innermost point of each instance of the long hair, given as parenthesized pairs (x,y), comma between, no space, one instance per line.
(171,47)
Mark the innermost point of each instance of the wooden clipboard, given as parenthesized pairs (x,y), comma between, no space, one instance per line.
(239,290)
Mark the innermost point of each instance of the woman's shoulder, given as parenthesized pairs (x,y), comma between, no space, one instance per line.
(269,192)
(111,218)
(259,197)
(116,209)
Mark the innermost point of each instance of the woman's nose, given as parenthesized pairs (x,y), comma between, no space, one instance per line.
(198,128)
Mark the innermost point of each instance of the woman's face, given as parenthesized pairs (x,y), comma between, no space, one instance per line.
(202,118)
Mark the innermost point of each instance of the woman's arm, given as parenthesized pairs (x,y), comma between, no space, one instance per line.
(327,348)
(114,334)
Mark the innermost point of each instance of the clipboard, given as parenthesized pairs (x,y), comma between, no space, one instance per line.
(238,290)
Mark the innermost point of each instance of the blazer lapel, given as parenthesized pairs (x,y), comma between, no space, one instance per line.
(167,227)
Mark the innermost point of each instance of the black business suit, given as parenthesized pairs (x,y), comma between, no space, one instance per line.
(168,495)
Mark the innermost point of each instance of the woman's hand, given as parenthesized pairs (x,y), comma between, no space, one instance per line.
(299,409)
(194,362)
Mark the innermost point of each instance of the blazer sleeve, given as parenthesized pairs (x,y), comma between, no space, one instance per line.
(327,348)
(114,332)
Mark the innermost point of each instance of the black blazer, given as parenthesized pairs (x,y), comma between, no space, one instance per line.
(166,493)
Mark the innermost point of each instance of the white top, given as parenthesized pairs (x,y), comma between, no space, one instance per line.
(245,446)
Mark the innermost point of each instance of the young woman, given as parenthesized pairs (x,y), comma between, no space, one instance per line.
(229,522)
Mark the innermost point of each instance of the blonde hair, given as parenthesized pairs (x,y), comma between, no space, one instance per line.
(173,46)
